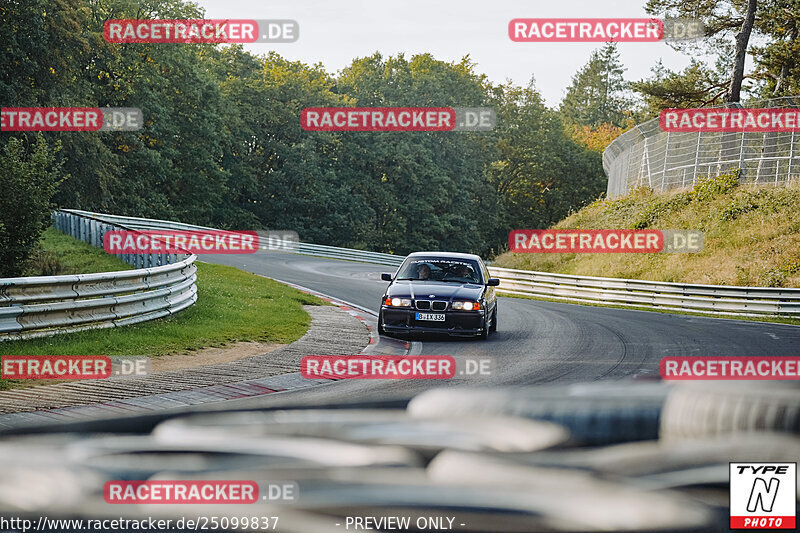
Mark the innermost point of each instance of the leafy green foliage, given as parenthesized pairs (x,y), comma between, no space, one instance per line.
(29,176)
(710,187)
(222,143)
(541,174)
(778,59)
(695,86)
(774,46)
(598,94)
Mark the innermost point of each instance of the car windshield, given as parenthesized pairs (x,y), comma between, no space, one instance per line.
(440,269)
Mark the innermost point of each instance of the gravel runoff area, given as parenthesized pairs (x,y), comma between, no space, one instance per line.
(333,331)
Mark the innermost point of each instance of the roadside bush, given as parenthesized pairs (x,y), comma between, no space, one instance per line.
(741,205)
(29,177)
(708,188)
(660,207)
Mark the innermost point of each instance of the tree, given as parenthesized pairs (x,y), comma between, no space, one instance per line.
(222,143)
(696,86)
(29,176)
(721,18)
(597,139)
(733,93)
(541,174)
(778,61)
(424,190)
(598,94)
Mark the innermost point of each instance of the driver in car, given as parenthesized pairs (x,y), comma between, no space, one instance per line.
(423,271)
(463,271)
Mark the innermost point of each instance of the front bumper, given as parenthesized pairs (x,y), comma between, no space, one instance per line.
(456,323)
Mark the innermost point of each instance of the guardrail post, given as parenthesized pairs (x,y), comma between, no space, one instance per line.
(103,229)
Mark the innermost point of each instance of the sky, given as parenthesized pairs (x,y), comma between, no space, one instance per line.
(334,32)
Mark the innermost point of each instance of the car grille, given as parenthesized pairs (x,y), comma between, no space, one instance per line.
(436,305)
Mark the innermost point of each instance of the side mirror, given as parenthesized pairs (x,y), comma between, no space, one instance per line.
(386,277)
(493,282)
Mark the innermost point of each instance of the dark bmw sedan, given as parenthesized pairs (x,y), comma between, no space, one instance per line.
(440,292)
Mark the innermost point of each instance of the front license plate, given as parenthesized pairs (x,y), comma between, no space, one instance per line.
(434,317)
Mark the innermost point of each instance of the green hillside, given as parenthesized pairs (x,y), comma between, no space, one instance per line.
(751,236)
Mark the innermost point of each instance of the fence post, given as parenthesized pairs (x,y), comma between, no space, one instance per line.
(761,159)
(741,155)
(696,157)
(664,170)
(791,157)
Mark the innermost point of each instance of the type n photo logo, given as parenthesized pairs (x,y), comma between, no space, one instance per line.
(763,495)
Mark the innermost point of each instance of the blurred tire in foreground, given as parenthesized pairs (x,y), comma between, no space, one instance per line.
(594,413)
(703,409)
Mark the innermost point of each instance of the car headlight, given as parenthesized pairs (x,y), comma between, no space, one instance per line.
(466,306)
(398,302)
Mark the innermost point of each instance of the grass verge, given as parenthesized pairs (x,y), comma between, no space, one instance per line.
(752,236)
(59,254)
(232,306)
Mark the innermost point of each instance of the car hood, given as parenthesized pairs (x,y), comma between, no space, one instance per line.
(423,290)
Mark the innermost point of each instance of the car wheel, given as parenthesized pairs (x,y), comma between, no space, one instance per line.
(493,327)
(381,329)
(484,334)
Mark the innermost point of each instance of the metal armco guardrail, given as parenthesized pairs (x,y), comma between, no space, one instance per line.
(303,248)
(646,155)
(713,299)
(161,285)
(710,299)
(166,284)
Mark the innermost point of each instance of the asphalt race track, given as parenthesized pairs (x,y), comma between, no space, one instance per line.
(536,341)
